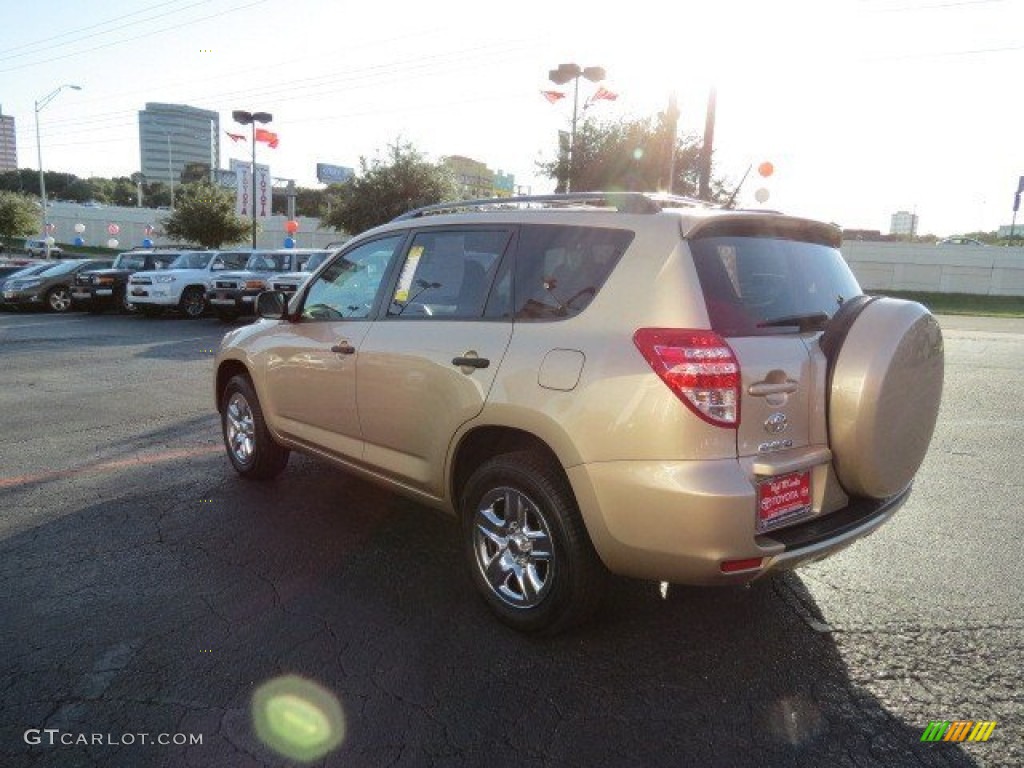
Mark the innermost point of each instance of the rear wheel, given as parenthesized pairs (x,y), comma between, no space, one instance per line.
(251,449)
(193,302)
(59,299)
(528,549)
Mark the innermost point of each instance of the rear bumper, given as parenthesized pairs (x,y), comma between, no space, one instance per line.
(680,521)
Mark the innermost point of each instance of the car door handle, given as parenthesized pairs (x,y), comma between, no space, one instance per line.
(343,349)
(471,362)
(765,388)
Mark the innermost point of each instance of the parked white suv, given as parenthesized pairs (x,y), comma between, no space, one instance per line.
(183,284)
(37,247)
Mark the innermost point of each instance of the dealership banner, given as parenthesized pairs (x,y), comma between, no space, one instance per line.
(244,203)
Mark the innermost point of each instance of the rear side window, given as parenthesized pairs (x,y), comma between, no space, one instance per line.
(559,270)
(749,282)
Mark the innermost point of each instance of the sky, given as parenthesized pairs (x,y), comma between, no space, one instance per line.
(863,107)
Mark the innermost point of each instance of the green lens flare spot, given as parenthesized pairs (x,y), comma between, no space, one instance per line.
(297,718)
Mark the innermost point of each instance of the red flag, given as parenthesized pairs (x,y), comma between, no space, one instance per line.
(236,137)
(553,96)
(267,137)
(604,93)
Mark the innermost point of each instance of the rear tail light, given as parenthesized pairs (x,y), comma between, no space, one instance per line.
(736,566)
(699,368)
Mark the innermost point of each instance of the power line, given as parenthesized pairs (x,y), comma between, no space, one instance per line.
(113,43)
(10,53)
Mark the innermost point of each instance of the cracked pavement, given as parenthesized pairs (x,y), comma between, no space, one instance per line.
(149,590)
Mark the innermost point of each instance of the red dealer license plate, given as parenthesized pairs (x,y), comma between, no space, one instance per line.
(783,499)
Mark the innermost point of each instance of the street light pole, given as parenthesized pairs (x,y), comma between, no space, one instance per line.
(40,105)
(561,76)
(251,118)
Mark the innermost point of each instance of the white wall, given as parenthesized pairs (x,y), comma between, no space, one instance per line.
(990,270)
(133,222)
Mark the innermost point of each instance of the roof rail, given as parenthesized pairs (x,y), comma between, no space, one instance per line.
(624,202)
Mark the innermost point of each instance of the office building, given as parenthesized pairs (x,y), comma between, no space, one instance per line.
(8,143)
(173,136)
(903,223)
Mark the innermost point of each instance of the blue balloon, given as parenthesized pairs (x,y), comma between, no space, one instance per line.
(147,243)
(79,240)
(289,242)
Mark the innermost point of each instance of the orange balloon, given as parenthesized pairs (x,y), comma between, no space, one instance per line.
(291,227)
(766,169)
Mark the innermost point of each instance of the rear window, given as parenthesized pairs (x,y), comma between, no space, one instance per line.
(559,269)
(750,281)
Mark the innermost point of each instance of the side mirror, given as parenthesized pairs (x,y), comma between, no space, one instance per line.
(272,305)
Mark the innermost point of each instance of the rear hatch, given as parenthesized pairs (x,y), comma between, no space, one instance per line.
(770,285)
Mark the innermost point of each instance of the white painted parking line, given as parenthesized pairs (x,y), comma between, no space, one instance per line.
(15,326)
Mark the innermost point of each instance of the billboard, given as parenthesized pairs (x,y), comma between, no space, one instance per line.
(333,174)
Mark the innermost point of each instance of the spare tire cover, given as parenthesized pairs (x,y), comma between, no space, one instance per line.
(886,384)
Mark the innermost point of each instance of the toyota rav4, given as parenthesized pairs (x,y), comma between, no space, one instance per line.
(594,384)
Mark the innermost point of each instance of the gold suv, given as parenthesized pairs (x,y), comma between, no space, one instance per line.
(594,384)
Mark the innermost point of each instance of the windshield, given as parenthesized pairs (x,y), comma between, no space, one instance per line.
(315,261)
(756,286)
(130,261)
(191,261)
(60,269)
(269,262)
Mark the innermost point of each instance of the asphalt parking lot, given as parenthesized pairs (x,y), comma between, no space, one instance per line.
(148,590)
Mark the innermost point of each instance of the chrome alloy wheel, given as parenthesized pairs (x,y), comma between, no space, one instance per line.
(194,303)
(241,429)
(60,300)
(513,547)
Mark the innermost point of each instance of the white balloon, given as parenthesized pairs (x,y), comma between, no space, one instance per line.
(112,242)
(50,241)
(761,195)
(79,227)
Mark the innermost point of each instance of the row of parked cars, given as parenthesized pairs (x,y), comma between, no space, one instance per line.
(156,280)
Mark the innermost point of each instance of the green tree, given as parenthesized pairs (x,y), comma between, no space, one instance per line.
(388,187)
(205,214)
(631,154)
(19,215)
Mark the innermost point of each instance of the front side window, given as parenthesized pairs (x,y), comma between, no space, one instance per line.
(230,260)
(347,289)
(447,274)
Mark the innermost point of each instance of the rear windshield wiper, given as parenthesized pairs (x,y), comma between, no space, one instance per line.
(812,321)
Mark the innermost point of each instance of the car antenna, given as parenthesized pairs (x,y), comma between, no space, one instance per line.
(732,198)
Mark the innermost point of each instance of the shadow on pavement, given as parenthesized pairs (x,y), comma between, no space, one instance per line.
(162,614)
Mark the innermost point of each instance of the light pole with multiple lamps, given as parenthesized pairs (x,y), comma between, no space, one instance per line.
(40,105)
(242,117)
(561,76)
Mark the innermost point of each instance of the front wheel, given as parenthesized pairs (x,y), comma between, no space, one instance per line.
(59,299)
(529,552)
(251,449)
(193,302)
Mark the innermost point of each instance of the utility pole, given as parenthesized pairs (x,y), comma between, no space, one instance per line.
(672,122)
(704,192)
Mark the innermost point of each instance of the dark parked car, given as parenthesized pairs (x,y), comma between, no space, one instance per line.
(108,288)
(49,288)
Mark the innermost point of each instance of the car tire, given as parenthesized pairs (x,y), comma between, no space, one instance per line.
(534,565)
(193,302)
(124,306)
(885,371)
(251,449)
(58,299)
